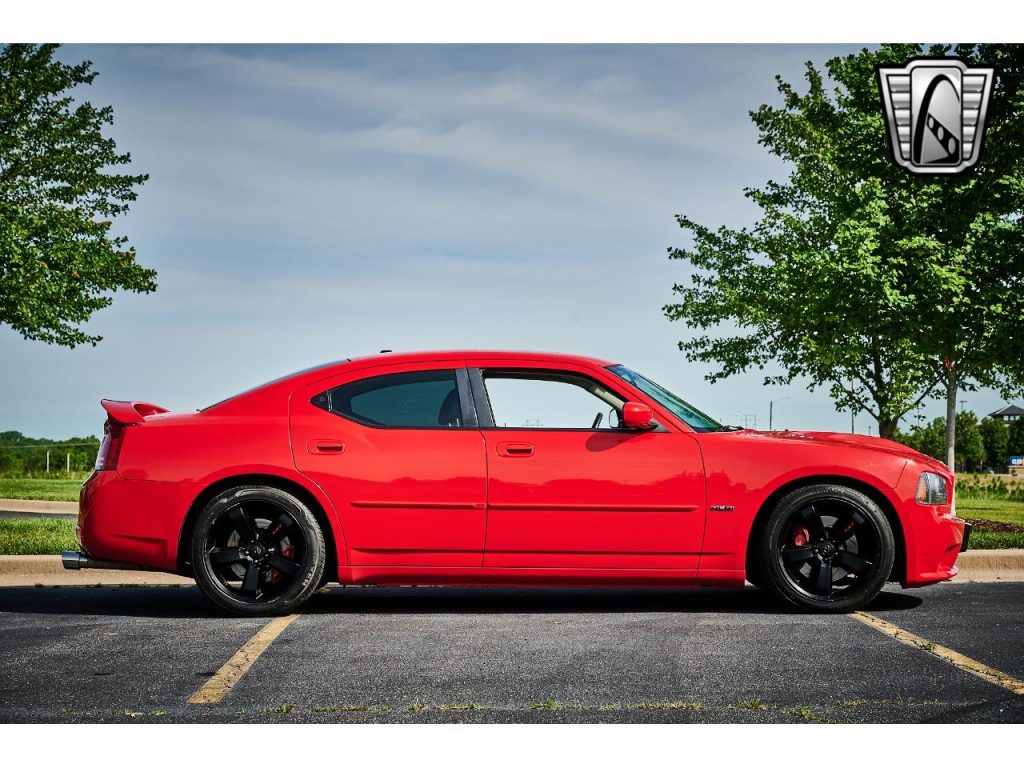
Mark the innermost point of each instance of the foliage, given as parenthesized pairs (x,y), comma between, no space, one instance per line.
(22,456)
(883,287)
(995,437)
(927,438)
(970,448)
(59,261)
(1015,438)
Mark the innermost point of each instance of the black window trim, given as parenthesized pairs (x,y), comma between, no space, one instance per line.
(462,384)
(486,412)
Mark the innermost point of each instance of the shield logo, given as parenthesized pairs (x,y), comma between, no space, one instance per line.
(935,110)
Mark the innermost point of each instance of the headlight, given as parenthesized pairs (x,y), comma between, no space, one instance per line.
(932,489)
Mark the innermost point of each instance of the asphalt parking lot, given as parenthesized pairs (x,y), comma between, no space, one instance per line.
(138,654)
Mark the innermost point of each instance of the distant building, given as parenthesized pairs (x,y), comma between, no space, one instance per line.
(1008,414)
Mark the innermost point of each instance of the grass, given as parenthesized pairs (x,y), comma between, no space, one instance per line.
(998,510)
(547,704)
(36,536)
(691,706)
(1009,515)
(42,489)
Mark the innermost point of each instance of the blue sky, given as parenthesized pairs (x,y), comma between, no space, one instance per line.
(314,202)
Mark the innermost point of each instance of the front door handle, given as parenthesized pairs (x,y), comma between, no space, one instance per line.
(325,446)
(515,450)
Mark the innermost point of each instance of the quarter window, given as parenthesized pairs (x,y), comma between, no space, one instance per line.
(415,399)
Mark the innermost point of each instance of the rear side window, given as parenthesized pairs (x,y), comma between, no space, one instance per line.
(416,399)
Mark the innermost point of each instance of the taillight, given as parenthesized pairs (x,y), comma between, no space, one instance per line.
(110,447)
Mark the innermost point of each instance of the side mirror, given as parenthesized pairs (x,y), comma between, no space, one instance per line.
(637,416)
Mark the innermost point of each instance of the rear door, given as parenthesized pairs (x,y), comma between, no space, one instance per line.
(568,488)
(398,452)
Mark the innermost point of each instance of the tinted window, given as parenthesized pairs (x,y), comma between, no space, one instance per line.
(414,399)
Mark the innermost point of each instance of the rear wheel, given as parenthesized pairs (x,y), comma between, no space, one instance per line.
(826,548)
(257,551)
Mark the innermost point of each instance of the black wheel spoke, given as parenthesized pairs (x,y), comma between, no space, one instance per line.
(274,532)
(226,556)
(811,517)
(821,573)
(794,555)
(243,524)
(854,563)
(284,565)
(848,525)
(252,580)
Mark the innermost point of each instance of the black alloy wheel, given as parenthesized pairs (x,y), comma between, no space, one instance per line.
(827,548)
(257,550)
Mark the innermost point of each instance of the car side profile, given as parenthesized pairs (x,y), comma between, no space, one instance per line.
(502,468)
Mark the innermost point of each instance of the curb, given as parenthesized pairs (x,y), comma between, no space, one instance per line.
(30,570)
(39,507)
(980,565)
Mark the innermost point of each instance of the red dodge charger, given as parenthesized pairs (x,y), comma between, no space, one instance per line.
(492,468)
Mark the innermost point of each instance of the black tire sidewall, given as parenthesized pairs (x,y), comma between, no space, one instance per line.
(297,592)
(770,569)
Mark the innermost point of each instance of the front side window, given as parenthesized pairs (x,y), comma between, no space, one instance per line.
(550,400)
(415,399)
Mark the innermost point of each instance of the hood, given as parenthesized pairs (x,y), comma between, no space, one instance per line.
(849,440)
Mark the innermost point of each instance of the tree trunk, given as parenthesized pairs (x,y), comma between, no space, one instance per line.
(887,426)
(951,392)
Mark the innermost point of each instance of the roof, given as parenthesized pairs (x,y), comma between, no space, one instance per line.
(1009,410)
(458,354)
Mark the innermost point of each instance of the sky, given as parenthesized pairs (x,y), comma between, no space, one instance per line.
(308,203)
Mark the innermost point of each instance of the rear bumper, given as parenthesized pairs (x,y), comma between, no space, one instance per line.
(132,521)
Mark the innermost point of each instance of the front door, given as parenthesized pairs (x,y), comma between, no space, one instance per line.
(569,488)
(394,452)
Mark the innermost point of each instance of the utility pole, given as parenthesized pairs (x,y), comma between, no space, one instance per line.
(69,464)
(771,406)
(47,462)
(962,404)
(853,415)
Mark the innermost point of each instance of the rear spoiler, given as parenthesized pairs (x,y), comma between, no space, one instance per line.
(129,412)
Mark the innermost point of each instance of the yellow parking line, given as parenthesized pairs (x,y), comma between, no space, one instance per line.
(217,687)
(958,660)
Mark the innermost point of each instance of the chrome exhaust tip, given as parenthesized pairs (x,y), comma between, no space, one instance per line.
(72,561)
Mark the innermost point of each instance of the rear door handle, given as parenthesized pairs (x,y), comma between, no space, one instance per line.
(325,446)
(515,450)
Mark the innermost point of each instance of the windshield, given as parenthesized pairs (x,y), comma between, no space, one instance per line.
(698,421)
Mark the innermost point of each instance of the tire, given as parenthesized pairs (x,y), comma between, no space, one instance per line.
(826,548)
(257,551)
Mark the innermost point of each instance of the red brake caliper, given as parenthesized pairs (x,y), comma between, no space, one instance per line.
(801,536)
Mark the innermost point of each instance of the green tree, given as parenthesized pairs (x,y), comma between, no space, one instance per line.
(59,261)
(1015,438)
(883,287)
(970,447)
(927,438)
(996,439)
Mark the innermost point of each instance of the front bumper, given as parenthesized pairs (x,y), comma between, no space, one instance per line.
(967,536)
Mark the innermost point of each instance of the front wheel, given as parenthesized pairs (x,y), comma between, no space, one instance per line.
(257,551)
(826,548)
